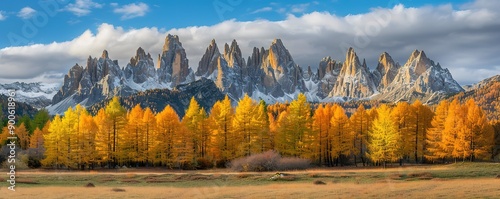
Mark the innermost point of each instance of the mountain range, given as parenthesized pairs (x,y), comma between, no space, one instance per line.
(269,74)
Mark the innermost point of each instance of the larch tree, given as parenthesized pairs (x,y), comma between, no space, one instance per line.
(405,120)
(243,125)
(261,121)
(452,125)
(134,136)
(149,127)
(54,144)
(318,128)
(383,138)
(167,125)
(359,123)
(116,115)
(104,139)
(295,126)
(223,145)
(87,144)
(479,139)
(36,140)
(342,140)
(193,122)
(422,116)
(434,134)
(23,137)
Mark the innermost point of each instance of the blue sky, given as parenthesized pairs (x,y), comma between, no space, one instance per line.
(41,40)
(67,23)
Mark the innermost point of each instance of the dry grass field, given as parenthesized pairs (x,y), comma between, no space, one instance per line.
(461,180)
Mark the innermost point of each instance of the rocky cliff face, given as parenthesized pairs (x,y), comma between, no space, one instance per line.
(354,80)
(420,78)
(173,62)
(385,72)
(102,78)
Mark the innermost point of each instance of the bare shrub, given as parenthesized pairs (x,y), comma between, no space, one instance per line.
(268,161)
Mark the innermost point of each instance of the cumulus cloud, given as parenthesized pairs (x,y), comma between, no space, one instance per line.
(132,10)
(465,40)
(2,15)
(26,12)
(82,7)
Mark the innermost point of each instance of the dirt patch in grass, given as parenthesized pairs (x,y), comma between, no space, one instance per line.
(420,176)
(118,190)
(319,182)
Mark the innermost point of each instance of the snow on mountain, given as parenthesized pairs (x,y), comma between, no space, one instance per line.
(38,95)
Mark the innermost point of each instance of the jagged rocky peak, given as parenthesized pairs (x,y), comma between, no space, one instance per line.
(105,54)
(309,75)
(141,67)
(70,84)
(354,80)
(419,62)
(233,55)
(140,55)
(420,79)
(209,60)
(278,56)
(173,62)
(172,42)
(386,70)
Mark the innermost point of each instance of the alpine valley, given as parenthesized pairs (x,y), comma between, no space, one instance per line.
(268,74)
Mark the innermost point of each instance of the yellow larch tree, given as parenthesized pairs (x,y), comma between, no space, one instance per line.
(23,137)
(133,137)
(243,126)
(452,125)
(342,142)
(55,144)
(434,134)
(263,140)
(422,116)
(116,115)
(193,122)
(87,144)
(479,137)
(223,146)
(294,126)
(167,125)
(104,138)
(359,123)
(405,120)
(149,126)
(384,139)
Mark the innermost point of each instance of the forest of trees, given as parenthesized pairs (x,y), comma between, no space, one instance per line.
(324,133)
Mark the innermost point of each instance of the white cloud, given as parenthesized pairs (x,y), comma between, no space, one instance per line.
(466,41)
(26,12)
(2,15)
(132,10)
(82,7)
(264,9)
(299,8)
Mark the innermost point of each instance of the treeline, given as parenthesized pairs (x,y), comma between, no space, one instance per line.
(322,133)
